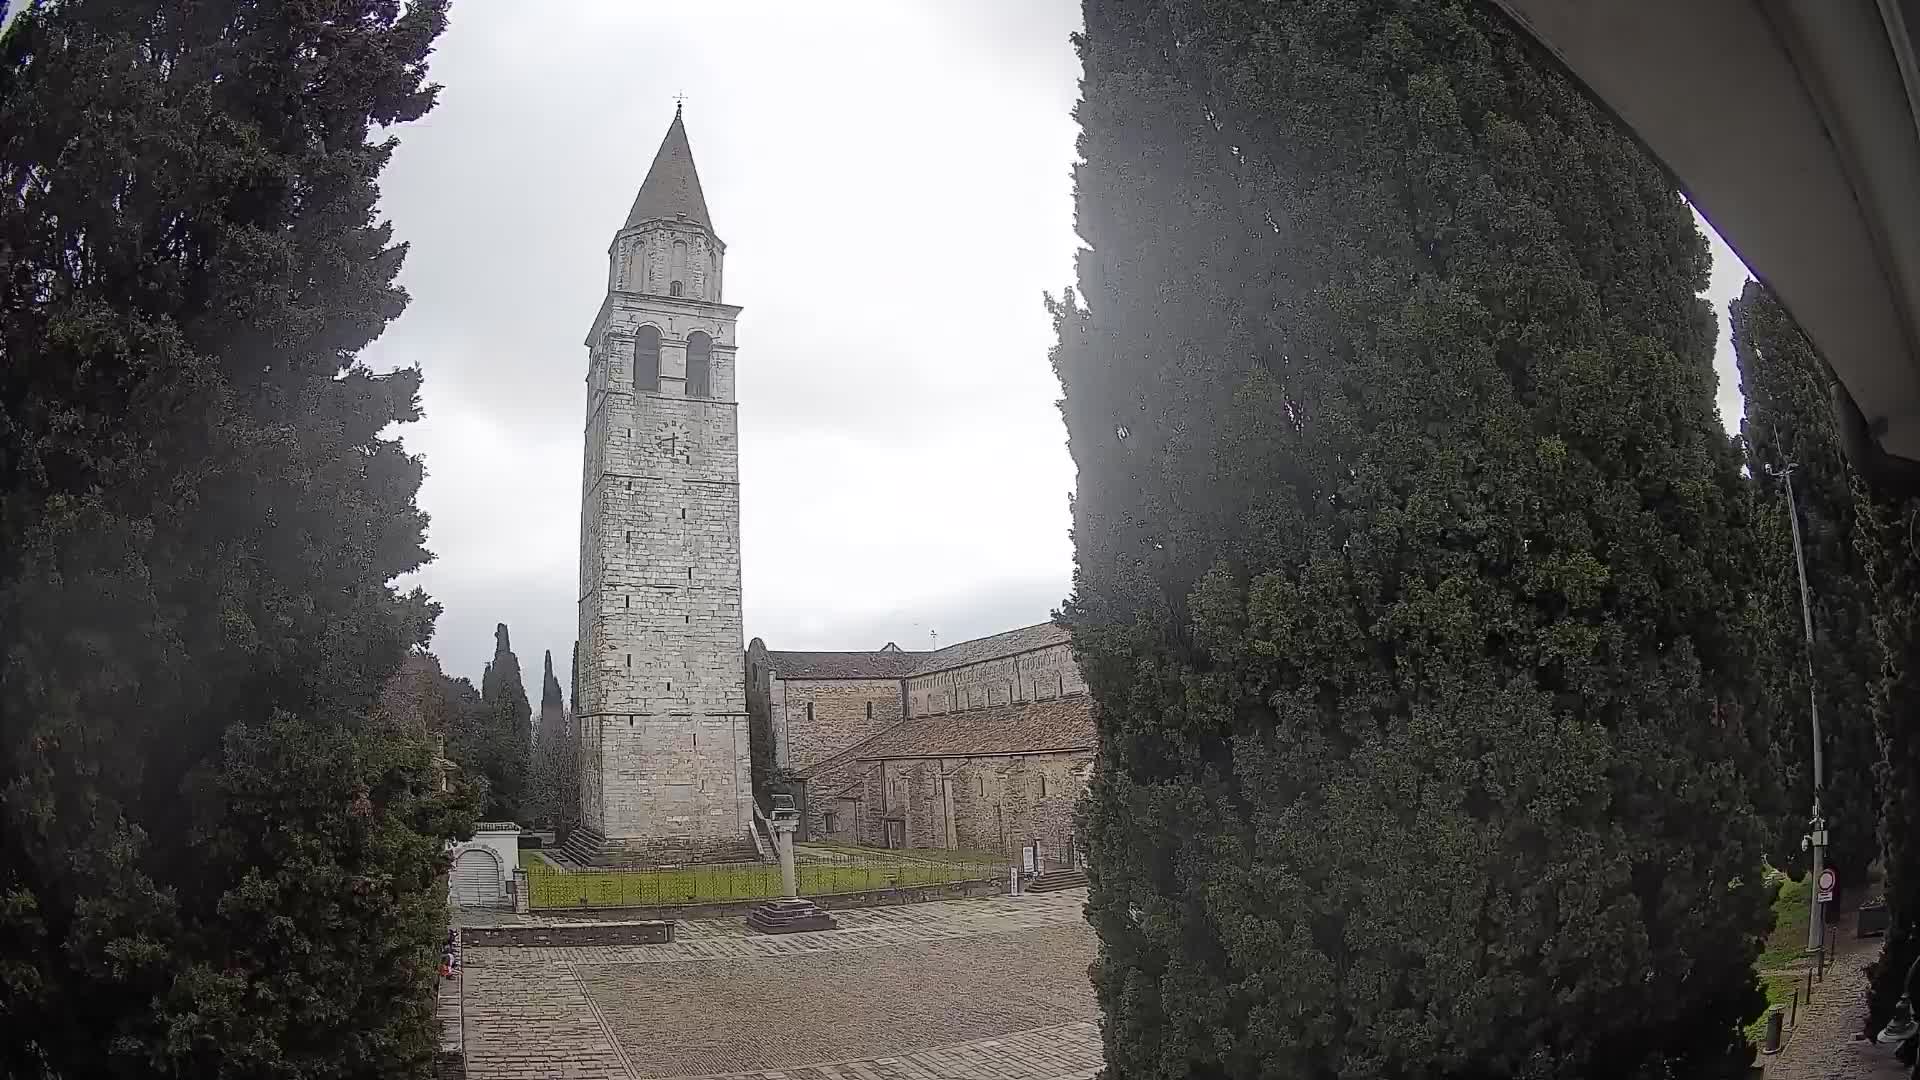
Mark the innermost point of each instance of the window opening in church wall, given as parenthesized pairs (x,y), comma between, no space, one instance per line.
(699,365)
(646,361)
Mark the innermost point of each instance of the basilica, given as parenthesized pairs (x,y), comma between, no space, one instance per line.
(982,746)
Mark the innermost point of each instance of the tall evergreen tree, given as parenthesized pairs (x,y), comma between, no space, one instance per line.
(213,862)
(1412,577)
(1894,565)
(553,708)
(506,749)
(1790,419)
(553,787)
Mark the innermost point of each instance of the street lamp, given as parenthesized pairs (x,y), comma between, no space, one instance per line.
(1816,838)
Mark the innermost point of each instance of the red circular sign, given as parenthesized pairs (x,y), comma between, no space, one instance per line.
(1826,879)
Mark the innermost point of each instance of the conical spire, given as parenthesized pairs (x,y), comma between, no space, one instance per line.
(672,187)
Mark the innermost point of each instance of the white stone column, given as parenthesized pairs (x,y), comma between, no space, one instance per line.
(783,842)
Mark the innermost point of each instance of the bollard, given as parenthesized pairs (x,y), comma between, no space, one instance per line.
(1793,1015)
(1771,1044)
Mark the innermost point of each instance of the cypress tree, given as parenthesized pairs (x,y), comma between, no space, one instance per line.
(507,744)
(1412,569)
(214,862)
(1889,528)
(553,710)
(554,787)
(1790,419)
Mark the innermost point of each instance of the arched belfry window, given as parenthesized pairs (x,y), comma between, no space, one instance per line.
(676,288)
(646,360)
(699,365)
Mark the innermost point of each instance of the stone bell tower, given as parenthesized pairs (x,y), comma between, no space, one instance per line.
(662,716)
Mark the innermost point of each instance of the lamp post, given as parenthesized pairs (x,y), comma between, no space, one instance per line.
(1816,839)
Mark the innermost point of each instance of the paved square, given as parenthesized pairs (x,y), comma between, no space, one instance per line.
(988,989)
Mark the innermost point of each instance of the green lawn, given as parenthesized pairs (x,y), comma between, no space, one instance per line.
(1779,987)
(551,888)
(937,855)
(1786,947)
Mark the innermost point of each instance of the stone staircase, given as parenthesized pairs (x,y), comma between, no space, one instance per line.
(1054,880)
(586,848)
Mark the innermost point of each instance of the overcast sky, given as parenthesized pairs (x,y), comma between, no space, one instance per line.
(892,180)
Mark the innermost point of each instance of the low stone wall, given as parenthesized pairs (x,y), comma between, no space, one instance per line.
(567,934)
(721,909)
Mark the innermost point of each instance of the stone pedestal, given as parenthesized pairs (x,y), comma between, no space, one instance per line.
(789,916)
(792,913)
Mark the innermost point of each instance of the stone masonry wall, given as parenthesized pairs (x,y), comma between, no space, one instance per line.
(998,803)
(814,719)
(1036,675)
(643,260)
(663,702)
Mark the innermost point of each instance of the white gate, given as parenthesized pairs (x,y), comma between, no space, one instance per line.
(477,879)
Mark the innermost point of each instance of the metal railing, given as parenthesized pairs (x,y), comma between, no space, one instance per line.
(822,870)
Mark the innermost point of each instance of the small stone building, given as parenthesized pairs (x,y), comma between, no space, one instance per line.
(981,746)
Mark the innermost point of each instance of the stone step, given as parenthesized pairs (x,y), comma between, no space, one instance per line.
(587,849)
(792,915)
(1055,880)
(584,847)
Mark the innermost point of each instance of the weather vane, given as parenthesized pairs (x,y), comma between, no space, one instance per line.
(679,100)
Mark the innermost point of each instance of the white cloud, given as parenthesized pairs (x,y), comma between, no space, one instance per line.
(893,183)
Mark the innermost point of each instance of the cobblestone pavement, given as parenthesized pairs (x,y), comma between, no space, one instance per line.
(993,989)
(1064,1052)
(868,928)
(1064,906)
(1822,1045)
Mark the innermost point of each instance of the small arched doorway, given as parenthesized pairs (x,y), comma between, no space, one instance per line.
(478,879)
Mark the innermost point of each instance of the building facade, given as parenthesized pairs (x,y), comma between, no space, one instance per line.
(661,720)
(984,746)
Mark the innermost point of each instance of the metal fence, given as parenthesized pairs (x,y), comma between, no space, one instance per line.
(821,870)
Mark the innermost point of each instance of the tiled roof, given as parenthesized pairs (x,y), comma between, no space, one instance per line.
(878,664)
(834,776)
(1026,727)
(979,650)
